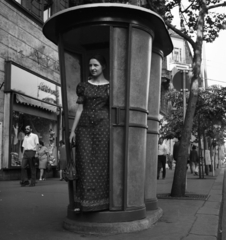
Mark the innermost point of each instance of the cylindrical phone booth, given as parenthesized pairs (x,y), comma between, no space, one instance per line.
(153,127)
(130,38)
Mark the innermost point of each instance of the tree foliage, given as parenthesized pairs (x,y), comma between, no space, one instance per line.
(190,16)
(210,111)
(171,125)
(209,118)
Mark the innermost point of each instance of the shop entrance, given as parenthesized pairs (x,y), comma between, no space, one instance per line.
(45,128)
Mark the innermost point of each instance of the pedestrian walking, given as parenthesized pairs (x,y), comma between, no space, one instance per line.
(30,148)
(162,155)
(43,158)
(62,159)
(91,129)
(194,160)
(176,149)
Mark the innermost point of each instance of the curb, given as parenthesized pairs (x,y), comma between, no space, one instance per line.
(206,225)
(222,219)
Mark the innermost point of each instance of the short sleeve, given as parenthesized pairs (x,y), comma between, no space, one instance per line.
(80,92)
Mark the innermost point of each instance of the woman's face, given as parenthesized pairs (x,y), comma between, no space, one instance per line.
(95,68)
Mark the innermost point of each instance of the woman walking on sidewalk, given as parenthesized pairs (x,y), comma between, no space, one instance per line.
(43,158)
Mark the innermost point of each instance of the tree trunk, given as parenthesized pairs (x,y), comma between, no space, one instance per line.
(179,181)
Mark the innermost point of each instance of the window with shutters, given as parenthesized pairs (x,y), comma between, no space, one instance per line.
(64,4)
(36,8)
(59,5)
(47,11)
(177,55)
(41,9)
(73,3)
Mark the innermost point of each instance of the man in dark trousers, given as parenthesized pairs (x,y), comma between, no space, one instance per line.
(176,149)
(30,147)
(162,154)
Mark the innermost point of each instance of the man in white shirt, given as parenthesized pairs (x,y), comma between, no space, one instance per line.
(30,147)
(162,153)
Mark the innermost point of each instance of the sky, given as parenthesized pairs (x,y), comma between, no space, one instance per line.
(216,60)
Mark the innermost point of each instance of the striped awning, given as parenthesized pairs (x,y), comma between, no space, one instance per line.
(32,102)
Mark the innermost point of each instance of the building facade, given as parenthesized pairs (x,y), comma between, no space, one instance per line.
(30,92)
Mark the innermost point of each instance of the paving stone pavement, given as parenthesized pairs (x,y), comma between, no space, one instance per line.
(37,213)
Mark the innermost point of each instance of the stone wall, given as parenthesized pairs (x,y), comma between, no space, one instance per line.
(22,41)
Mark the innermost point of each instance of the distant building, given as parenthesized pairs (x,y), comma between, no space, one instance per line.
(180,59)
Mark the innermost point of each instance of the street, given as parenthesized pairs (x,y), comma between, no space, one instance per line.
(37,213)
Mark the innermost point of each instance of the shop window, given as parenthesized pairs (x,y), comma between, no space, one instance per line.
(46,129)
(36,101)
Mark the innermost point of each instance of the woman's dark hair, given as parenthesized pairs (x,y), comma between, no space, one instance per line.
(61,142)
(41,143)
(193,147)
(99,58)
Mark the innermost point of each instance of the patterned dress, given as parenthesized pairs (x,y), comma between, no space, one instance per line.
(92,148)
(43,157)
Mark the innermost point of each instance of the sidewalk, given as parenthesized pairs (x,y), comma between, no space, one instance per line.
(37,213)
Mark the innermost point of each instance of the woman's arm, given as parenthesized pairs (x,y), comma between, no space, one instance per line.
(46,151)
(79,109)
(58,155)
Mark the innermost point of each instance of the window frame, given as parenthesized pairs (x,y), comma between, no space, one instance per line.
(177,57)
(25,11)
(39,20)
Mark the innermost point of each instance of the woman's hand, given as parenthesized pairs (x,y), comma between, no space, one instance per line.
(72,137)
